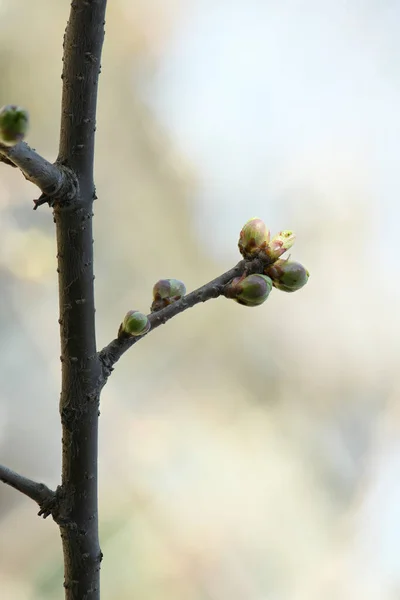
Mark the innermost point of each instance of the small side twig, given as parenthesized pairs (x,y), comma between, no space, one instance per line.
(39,492)
(54,180)
(111,353)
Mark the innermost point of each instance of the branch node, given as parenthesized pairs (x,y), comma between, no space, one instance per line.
(63,191)
(39,492)
(48,506)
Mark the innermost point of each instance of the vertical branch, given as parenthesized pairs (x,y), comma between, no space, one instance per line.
(81,371)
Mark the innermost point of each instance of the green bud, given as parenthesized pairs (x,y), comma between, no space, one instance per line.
(252,290)
(280,243)
(167,291)
(135,324)
(14,123)
(169,288)
(253,238)
(287,275)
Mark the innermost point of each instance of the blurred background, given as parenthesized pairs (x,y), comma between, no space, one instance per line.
(245,454)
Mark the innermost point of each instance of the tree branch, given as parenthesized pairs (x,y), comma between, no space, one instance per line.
(38,492)
(81,367)
(54,180)
(111,353)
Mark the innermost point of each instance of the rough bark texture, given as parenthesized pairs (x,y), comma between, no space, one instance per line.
(81,369)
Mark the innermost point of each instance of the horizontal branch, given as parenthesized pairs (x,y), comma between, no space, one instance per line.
(38,492)
(215,288)
(54,180)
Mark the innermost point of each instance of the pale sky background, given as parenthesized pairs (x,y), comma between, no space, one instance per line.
(260,95)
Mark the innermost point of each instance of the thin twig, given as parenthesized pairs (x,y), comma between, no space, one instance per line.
(54,180)
(39,492)
(111,353)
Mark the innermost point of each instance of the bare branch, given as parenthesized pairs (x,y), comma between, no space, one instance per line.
(39,492)
(81,368)
(111,353)
(54,180)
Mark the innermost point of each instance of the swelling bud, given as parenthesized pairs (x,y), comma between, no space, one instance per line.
(252,290)
(135,324)
(167,291)
(253,238)
(288,275)
(280,243)
(14,123)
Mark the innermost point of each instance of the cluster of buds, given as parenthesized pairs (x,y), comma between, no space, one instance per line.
(134,324)
(250,289)
(14,123)
(165,292)
(285,275)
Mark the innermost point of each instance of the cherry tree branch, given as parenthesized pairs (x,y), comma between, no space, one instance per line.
(54,180)
(111,353)
(39,492)
(81,368)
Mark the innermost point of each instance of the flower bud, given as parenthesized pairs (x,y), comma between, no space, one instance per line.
(167,291)
(13,124)
(252,290)
(280,243)
(287,275)
(253,238)
(135,323)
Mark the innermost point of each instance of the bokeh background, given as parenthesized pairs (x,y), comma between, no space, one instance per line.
(245,454)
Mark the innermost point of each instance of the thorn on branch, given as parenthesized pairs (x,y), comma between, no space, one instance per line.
(49,505)
(43,199)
